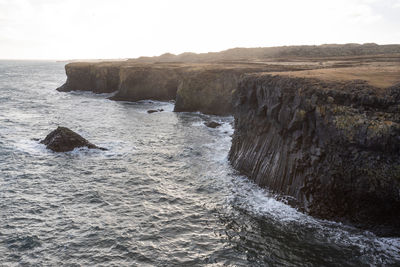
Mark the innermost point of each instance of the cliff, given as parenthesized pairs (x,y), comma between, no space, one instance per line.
(207,90)
(332,146)
(148,81)
(195,87)
(95,77)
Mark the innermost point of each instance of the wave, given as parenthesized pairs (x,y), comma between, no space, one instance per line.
(262,204)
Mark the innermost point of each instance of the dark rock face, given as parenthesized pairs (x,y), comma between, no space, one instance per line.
(333,148)
(148,82)
(208,91)
(206,88)
(212,124)
(98,78)
(63,139)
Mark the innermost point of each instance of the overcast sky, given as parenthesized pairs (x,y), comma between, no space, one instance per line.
(69,29)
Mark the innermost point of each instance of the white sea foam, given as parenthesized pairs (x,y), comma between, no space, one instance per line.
(199,123)
(261,203)
(114,149)
(92,94)
(145,105)
(226,128)
(31,147)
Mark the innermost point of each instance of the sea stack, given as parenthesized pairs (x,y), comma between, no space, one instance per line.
(63,139)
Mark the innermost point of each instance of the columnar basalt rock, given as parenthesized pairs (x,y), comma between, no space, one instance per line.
(332,147)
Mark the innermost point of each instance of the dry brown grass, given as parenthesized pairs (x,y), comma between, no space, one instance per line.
(381,75)
(381,71)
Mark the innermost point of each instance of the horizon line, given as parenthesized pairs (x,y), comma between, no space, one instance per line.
(126,58)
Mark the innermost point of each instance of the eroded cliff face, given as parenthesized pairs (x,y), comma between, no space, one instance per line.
(332,147)
(208,91)
(148,82)
(209,88)
(98,78)
(195,87)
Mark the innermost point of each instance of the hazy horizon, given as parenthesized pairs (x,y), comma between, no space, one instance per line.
(95,59)
(166,52)
(72,29)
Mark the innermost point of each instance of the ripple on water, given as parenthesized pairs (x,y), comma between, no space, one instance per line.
(23,243)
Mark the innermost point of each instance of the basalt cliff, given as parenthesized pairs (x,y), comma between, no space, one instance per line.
(319,126)
(332,147)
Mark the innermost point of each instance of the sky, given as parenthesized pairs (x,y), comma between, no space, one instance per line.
(83,29)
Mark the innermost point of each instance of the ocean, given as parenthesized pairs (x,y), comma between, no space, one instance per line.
(163,194)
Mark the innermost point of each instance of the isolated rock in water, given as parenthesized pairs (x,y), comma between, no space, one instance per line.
(155,110)
(212,124)
(63,139)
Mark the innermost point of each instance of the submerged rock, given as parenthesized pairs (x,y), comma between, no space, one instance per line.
(63,139)
(212,124)
(155,110)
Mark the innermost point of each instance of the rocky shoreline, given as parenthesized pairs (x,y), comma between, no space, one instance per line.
(327,138)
